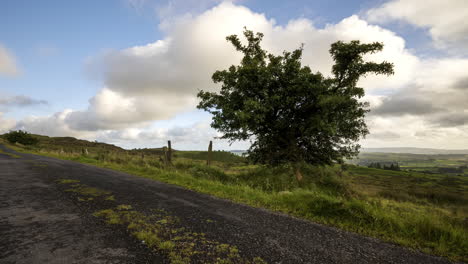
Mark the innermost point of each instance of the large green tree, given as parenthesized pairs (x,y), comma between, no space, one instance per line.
(290,114)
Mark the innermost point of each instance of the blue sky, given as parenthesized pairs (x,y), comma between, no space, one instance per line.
(77,61)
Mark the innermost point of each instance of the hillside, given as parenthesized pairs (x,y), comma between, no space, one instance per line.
(71,144)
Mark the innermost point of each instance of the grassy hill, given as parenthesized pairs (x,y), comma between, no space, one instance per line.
(71,145)
(424,211)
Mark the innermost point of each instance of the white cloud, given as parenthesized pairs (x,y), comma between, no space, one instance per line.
(436,92)
(112,110)
(53,125)
(159,80)
(445,20)
(6,124)
(192,137)
(430,111)
(8,65)
(413,131)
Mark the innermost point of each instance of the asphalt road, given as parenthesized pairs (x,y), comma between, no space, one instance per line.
(40,223)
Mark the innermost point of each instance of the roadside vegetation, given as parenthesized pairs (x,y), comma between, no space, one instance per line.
(427,212)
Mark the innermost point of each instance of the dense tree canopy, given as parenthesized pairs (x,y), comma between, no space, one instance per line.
(290,114)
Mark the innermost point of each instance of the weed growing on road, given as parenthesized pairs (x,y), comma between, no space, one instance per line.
(67,181)
(88,193)
(110,198)
(159,231)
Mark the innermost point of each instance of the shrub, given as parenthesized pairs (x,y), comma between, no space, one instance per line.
(21,137)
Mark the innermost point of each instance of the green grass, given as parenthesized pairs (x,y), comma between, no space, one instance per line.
(427,212)
(220,156)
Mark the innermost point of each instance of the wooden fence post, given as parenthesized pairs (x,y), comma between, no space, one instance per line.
(165,155)
(210,150)
(169,152)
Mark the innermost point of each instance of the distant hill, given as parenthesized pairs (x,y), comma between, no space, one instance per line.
(71,144)
(415,150)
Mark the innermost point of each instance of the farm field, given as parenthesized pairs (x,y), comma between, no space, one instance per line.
(451,164)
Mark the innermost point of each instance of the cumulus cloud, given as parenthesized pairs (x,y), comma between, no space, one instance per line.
(113,110)
(461,84)
(191,137)
(401,104)
(429,111)
(445,20)
(53,125)
(6,124)
(8,65)
(436,95)
(413,131)
(158,80)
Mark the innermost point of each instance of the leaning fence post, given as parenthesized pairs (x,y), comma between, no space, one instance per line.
(210,149)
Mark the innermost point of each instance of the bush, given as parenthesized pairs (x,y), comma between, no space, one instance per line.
(21,137)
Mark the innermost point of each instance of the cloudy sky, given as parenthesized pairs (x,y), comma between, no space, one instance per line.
(127,71)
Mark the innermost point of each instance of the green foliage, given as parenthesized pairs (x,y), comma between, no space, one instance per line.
(280,179)
(221,156)
(21,137)
(291,114)
(203,171)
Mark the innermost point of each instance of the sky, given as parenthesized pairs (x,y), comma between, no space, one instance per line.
(127,72)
